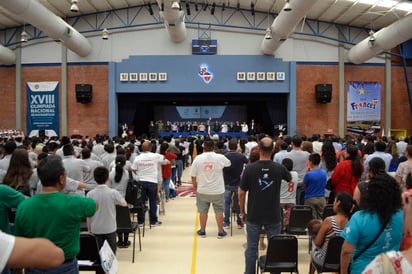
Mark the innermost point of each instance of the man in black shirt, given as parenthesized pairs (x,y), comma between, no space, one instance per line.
(231,176)
(261,180)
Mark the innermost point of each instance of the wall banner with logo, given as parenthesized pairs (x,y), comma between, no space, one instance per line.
(364,107)
(43,108)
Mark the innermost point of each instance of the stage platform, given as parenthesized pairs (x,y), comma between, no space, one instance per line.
(195,134)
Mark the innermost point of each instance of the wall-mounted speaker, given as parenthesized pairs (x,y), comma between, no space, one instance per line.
(323,93)
(83,93)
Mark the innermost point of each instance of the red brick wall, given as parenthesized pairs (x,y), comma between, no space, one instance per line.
(92,118)
(323,118)
(7,97)
(84,119)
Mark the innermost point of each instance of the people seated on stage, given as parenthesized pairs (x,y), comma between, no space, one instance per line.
(245,127)
(216,126)
(202,127)
(194,126)
(168,126)
(231,127)
(159,124)
(189,126)
(182,127)
(238,127)
(151,128)
(175,128)
(224,128)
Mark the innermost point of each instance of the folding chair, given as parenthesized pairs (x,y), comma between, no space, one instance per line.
(281,255)
(332,257)
(327,211)
(89,251)
(125,225)
(300,215)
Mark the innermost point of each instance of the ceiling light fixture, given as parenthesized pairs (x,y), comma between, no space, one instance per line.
(372,38)
(175,5)
(187,8)
(149,6)
(74,7)
(23,36)
(252,8)
(105,34)
(287,6)
(212,10)
(268,34)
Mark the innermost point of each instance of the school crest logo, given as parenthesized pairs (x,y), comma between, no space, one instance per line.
(205,74)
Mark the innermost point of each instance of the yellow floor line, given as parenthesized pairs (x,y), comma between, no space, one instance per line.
(194,250)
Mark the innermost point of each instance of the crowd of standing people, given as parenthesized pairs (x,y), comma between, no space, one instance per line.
(362,177)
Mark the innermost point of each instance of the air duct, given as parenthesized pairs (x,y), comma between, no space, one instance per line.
(285,23)
(7,56)
(174,20)
(383,40)
(33,12)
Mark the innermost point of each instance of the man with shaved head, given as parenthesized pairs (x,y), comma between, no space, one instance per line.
(261,181)
(147,167)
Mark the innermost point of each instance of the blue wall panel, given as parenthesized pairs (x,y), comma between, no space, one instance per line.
(183,77)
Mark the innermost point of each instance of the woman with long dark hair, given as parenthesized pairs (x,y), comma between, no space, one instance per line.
(376,228)
(118,179)
(20,175)
(376,166)
(347,174)
(343,207)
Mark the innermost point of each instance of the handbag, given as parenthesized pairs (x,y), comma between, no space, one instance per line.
(370,244)
(133,191)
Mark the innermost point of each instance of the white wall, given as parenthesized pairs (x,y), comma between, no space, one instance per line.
(155,41)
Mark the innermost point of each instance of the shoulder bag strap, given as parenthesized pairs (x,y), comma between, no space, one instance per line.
(374,240)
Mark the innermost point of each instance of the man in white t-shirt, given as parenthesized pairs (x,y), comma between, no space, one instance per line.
(208,182)
(147,167)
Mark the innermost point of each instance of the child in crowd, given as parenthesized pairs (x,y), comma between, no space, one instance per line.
(313,228)
(288,192)
(103,223)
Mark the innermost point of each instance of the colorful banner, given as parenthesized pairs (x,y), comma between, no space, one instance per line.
(364,107)
(43,108)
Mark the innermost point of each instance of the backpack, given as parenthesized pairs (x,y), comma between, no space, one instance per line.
(133,192)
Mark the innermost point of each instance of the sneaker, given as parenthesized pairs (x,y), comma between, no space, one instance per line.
(201,233)
(120,244)
(158,223)
(221,234)
(239,226)
(227,226)
(126,244)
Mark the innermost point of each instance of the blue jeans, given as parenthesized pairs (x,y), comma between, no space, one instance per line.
(67,268)
(165,186)
(229,190)
(174,175)
(253,232)
(179,168)
(149,190)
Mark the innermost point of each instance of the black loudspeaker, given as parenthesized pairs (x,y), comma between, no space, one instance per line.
(323,93)
(83,93)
